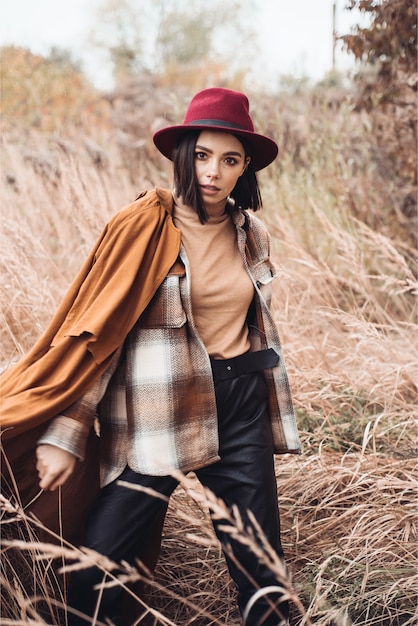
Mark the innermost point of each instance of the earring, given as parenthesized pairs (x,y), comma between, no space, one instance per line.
(230,201)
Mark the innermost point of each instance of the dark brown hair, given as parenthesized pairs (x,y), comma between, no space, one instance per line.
(246,192)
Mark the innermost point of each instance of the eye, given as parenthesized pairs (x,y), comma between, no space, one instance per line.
(231,161)
(200,155)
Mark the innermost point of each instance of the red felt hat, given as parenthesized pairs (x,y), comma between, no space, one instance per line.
(219,109)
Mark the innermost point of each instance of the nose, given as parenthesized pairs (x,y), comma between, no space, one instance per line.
(213,169)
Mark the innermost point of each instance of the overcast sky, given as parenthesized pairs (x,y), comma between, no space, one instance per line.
(295,36)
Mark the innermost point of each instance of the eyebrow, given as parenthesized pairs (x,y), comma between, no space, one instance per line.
(229,153)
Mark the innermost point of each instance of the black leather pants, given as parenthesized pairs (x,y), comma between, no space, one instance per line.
(122,520)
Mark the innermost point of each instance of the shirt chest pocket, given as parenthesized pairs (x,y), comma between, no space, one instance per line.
(263,273)
(166,309)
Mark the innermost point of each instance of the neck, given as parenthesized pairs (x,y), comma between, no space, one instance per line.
(216,210)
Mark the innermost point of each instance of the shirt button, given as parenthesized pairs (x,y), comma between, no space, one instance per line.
(228,367)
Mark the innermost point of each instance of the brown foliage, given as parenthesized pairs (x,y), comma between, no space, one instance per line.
(45,93)
(387,86)
(391,39)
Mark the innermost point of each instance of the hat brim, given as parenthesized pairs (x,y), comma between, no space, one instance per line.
(265,150)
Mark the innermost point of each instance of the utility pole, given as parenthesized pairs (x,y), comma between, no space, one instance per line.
(334,34)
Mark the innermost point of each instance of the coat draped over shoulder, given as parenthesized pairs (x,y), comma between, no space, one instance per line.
(123,271)
(127,264)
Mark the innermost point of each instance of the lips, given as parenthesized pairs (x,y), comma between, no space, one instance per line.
(210,188)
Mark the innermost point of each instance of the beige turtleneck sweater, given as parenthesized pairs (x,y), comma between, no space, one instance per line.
(221,290)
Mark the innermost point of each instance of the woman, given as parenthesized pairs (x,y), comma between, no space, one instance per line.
(166,334)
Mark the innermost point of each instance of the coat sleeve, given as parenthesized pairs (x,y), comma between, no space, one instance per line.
(70,430)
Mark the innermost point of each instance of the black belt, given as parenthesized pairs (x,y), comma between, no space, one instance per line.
(243,364)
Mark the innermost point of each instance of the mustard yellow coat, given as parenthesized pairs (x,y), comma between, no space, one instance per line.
(136,249)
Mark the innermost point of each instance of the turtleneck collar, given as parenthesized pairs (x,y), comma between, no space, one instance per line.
(190,214)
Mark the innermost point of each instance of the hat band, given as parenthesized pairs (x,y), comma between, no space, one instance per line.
(216,123)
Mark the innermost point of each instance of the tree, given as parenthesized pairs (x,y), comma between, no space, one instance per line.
(63,57)
(161,35)
(188,33)
(389,45)
(387,85)
(119,30)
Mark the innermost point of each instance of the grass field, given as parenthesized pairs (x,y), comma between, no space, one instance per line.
(345,304)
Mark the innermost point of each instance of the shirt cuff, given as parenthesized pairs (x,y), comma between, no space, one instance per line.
(67,434)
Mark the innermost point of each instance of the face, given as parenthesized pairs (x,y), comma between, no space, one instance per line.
(219,161)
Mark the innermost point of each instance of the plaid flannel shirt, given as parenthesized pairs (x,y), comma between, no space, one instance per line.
(156,402)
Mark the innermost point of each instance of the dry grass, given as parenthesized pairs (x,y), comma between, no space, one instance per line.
(345,303)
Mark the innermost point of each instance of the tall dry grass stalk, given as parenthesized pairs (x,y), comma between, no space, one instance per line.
(345,303)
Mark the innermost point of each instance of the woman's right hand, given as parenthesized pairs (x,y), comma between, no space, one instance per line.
(54,466)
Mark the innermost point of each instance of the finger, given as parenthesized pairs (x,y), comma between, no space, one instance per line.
(46,481)
(48,476)
(39,456)
(60,480)
(56,483)
(51,480)
(41,467)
